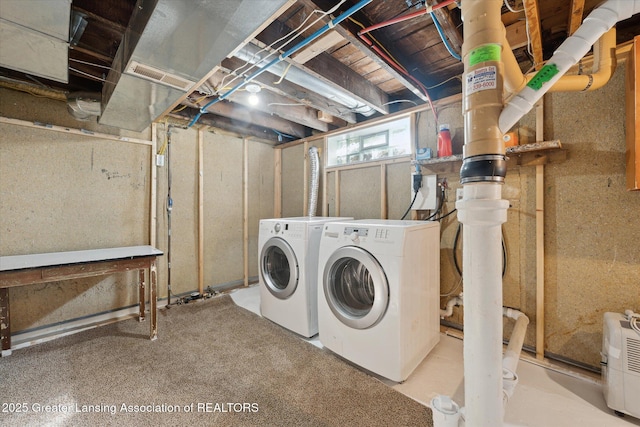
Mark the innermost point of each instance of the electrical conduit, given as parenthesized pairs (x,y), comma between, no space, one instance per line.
(599,22)
(291,51)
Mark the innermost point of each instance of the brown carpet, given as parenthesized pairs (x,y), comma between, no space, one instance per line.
(214,363)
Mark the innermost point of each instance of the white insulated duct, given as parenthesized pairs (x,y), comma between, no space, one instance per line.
(314,180)
(599,21)
(253,54)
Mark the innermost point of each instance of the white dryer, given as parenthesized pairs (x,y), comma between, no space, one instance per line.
(378,293)
(288,263)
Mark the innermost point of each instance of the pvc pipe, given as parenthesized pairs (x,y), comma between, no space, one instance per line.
(315,180)
(448,311)
(512,353)
(482,211)
(328,26)
(603,68)
(604,63)
(599,21)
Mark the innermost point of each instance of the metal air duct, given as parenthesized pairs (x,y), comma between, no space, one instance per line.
(254,55)
(169,47)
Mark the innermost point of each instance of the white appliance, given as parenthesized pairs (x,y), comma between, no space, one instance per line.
(288,263)
(378,293)
(621,363)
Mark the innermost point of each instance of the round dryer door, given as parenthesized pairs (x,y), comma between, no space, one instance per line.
(355,287)
(279,268)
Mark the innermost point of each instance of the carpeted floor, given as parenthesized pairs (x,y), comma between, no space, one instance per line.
(214,363)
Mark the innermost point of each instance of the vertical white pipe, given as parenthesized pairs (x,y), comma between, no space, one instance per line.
(482,212)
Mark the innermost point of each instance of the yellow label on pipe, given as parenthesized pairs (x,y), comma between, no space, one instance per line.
(484,53)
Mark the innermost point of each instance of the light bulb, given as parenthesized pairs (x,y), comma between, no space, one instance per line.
(253,99)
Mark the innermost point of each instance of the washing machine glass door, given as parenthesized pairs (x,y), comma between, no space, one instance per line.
(279,267)
(355,287)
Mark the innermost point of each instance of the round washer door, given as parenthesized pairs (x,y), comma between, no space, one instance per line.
(355,287)
(279,267)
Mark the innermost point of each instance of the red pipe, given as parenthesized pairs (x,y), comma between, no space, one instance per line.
(427,9)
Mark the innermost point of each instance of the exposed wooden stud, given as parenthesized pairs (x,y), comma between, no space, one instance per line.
(325,204)
(337,192)
(153,205)
(305,178)
(540,330)
(535,33)
(277,183)
(200,211)
(245,209)
(384,212)
(576,11)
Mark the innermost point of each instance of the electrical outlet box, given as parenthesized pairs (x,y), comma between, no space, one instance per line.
(159,160)
(427,195)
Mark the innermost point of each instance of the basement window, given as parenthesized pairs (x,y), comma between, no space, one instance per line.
(379,142)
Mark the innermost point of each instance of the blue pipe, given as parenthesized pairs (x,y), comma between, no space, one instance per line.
(444,38)
(291,51)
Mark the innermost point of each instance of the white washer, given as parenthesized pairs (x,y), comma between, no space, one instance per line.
(288,263)
(378,293)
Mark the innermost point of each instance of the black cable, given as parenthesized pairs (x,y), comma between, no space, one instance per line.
(439,206)
(410,205)
(447,214)
(455,251)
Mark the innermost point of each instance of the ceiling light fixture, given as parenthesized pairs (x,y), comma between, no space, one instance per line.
(253,89)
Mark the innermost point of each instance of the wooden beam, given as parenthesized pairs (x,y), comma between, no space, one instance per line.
(280,107)
(294,92)
(449,27)
(333,72)
(227,124)
(535,32)
(314,49)
(348,33)
(576,11)
(517,34)
(238,113)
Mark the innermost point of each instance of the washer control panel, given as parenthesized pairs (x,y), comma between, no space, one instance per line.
(356,232)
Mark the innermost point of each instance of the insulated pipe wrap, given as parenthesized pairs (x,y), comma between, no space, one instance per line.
(599,21)
(314,180)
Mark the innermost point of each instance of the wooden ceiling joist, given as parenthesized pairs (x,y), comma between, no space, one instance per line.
(347,31)
(535,33)
(295,93)
(576,13)
(333,72)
